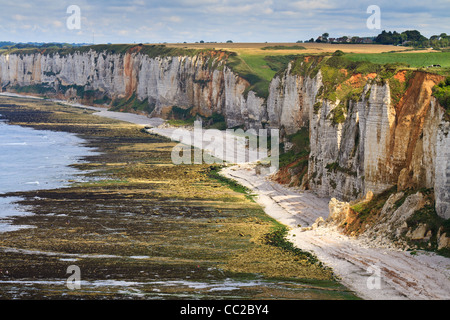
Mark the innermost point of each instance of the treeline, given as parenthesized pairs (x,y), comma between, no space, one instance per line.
(413,38)
(54,45)
(410,38)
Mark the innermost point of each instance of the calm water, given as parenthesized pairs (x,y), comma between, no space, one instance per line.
(34,159)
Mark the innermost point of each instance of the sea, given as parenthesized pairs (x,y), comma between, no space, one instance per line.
(34,159)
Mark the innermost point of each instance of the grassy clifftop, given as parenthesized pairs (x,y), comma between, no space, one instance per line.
(258,70)
(150,50)
(259,65)
(345,75)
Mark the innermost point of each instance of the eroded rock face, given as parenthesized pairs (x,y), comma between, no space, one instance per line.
(377,145)
(290,100)
(393,226)
(181,81)
(442,170)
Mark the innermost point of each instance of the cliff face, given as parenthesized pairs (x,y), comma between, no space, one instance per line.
(366,144)
(375,144)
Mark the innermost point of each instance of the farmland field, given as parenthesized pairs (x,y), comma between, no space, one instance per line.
(257,48)
(414,59)
(254,55)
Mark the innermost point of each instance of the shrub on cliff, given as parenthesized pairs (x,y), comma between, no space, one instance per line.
(442,93)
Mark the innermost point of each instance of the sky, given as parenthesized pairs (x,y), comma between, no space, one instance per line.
(177,21)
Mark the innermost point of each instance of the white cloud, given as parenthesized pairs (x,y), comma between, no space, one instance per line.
(19,17)
(241,8)
(305,5)
(175,19)
(57,23)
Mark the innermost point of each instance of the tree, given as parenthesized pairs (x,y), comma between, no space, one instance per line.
(325,36)
(404,37)
(414,35)
(390,38)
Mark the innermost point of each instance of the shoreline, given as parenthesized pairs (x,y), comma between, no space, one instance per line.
(143,221)
(50,168)
(402,275)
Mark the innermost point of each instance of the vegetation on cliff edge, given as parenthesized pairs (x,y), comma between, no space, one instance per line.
(293,163)
(344,79)
(442,93)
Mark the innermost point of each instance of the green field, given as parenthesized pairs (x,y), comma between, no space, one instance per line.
(259,69)
(413,59)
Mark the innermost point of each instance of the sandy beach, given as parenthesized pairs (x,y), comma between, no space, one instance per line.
(401,275)
(373,273)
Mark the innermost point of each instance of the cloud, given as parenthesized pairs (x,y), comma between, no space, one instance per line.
(174,19)
(306,5)
(57,23)
(241,8)
(19,17)
(214,20)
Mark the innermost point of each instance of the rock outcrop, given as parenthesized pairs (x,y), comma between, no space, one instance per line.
(403,221)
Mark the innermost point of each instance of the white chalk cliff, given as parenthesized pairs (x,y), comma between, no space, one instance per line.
(378,145)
